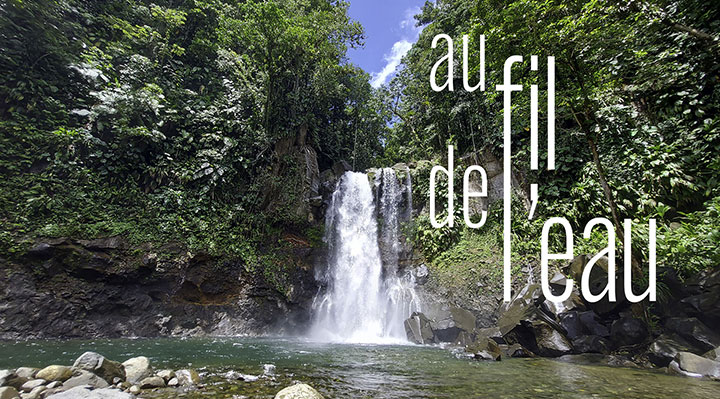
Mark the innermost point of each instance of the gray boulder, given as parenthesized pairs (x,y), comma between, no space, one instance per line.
(187,377)
(450,322)
(713,354)
(693,363)
(152,382)
(484,349)
(101,366)
(418,329)
(663,350)
(26,372)
(299,391)
(32,384)
(137,369)
(86,392)
(85,378)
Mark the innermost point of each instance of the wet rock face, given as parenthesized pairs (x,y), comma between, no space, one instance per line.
(105,288)
(694,331)
(663,350)
(418,329)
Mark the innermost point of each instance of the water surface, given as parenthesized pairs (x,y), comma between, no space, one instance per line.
(364,371)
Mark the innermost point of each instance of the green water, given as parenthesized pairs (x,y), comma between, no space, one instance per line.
(363,371)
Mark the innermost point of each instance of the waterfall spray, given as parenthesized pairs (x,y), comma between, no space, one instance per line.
(366,299)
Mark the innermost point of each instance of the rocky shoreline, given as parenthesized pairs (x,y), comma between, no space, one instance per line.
(93,376)
(684,339)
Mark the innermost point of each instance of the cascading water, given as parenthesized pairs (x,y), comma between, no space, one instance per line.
(366,300)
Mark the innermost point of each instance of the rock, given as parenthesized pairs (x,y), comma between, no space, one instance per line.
(26,372)
(32,384)
(41,250)
(137,369)
(54,384)
(84,392)
(694,332)
(663,350)
(134,389)
(713,354)
(9,393)
(550,342)
(492,333)
(574,302)
(693,363)
(298,391)
(484,349)
(187,377)
(166,375)
(523,307)
(100,366)
(173,382)
(418,330)
(591,325)
(675,368)
(628,331)
(6,376)
(85,378)
(35,393)
(517,350)
(598,281)
(421,274)
(591,344)
(570,321)
(152,382)
(450,322)
(55,373)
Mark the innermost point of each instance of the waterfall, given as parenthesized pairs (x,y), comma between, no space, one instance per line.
(366,299)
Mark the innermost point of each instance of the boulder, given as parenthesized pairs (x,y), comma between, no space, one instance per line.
(9,393)
(299,391)
(35,393)
(26,372)
(418,329)
(663,350)
(173,382)
(85,378)
(100,366)
(492,333)
(713,354)
(574,302)
(187,377)
(32,384)
(55,373)
(152,382)
(137,369)
(694,332)
(598,281)
(484,349)
(85,392)
(450,322)
(628,331)
(591,324)
(591,344)
(166,374)
(570,321)
(550,342)
(516,350)
(523,307)
(6,376)
(134,389)
(693,363)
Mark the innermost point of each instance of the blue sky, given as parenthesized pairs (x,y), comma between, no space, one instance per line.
(389,33)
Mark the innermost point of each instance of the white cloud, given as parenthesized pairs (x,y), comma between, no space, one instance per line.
(399,49)
(409,33)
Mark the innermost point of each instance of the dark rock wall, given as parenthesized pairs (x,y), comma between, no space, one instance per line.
(106,288)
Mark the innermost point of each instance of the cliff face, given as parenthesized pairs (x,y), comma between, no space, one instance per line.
(107,288)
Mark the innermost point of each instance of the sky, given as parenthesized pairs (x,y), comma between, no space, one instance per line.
(389,33)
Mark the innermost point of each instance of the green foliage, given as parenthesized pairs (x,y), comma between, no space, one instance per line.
(159,120)
(637,81)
